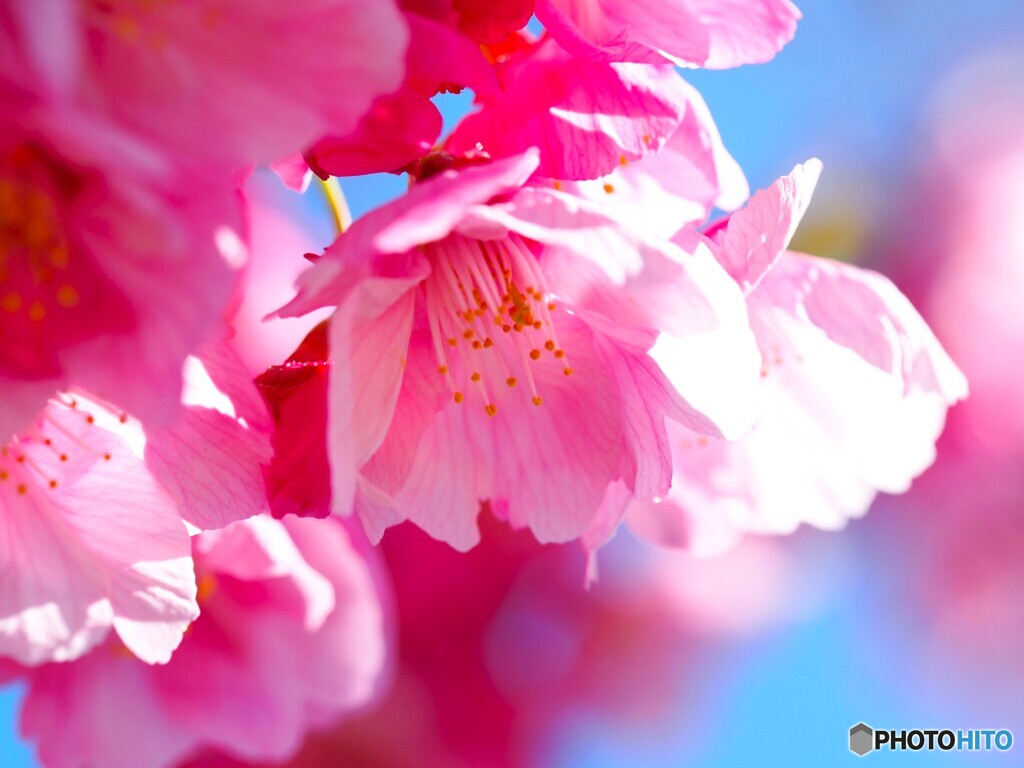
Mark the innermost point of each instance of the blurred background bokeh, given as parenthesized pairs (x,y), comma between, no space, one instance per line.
(912,617)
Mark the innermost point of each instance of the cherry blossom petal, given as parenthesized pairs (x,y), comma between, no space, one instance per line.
(92,543)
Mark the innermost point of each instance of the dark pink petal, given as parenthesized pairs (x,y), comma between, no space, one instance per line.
(231,82)
(585,117)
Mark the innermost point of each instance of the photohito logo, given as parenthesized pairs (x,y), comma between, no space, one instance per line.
(865,739)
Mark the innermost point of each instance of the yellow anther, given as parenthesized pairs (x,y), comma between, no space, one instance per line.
(537,401)
(475,377)
(608,188)
(206,585)
(559,353)
(442,369)
(37,311)
(549,345)
(67,296)
(491,409)
(567,371)
(535,354)
(458,397)
(511,381)
(11,302)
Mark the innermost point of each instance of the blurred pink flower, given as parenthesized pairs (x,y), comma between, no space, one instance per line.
(716,34)
(211,458)
(585,117)
(91,542)
(495,341)
(855,389)
(293,635)
(230,82)
(114,265)
(961,244)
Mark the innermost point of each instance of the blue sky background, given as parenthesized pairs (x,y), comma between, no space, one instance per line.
(851,89)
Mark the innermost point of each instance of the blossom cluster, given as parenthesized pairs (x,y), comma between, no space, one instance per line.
(543,330)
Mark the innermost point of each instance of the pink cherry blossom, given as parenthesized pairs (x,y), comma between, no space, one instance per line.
(114,265)
(716,34)
(855,389)
(584,116)
(293,636)
(225,81)
(91,542)
(524,352)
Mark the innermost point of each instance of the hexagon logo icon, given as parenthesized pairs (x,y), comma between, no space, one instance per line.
(862,739)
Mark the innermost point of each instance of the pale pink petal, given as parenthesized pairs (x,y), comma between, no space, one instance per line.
(396,130)
(298,478)
(855,391)
(483,21)
(680,185)
(423,394)
(60,715)
(583,116)
(91,542)
(211,458)
(757,235)
(706,33)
